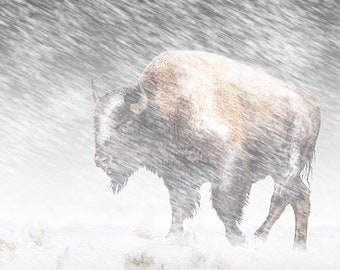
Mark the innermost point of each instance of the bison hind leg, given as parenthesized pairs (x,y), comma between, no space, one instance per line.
(299,197)
(278,204)
(301,207)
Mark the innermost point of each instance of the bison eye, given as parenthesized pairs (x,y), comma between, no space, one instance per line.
(124,124)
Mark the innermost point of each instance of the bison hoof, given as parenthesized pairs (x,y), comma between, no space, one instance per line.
(174,234)
(257,242)
(173,237)
(260,236)
(237,240)
(300,247)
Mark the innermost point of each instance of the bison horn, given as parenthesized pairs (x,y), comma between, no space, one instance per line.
(94,91)
(140,106)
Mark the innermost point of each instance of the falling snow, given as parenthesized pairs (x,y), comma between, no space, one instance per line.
(57,208)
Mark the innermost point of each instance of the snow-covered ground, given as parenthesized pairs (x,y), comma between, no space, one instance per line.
(56,208)
(76,223)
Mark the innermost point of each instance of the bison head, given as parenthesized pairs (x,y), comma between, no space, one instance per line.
(117,131)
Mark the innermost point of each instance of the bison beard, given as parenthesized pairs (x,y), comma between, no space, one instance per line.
(196,117)
(118,182)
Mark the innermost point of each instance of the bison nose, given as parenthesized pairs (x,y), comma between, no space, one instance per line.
(102,159)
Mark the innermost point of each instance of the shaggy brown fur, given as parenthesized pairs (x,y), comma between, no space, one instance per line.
(199,117)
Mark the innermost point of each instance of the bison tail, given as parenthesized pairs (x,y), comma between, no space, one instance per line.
(307,170)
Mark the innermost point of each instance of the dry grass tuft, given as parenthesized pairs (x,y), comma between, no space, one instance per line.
(7,246)
(139,261)
(38,238)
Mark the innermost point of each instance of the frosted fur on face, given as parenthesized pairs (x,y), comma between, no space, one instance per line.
(105,120)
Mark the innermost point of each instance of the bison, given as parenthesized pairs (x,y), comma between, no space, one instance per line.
(197,117)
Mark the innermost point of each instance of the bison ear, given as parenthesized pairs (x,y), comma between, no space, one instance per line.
(142,103)
(94,92)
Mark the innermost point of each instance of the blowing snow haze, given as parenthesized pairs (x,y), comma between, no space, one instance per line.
(52,196)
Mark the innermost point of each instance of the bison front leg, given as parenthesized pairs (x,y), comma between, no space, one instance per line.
(228,200)
(184,200)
